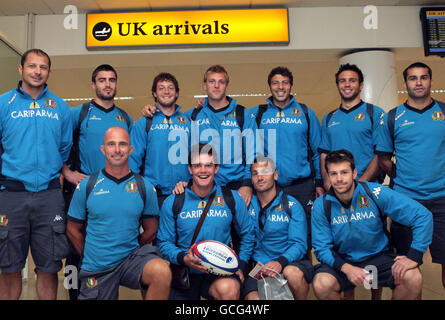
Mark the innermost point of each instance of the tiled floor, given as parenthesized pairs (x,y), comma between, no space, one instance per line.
(432,286)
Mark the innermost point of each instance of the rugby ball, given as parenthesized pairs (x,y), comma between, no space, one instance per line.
(218,258)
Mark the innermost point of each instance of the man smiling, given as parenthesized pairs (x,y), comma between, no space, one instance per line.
(167,129)
(34,144)
(111,205)
(352,126)
(349,234)
(178,222)
(414,132)
(90,122)
(285,124)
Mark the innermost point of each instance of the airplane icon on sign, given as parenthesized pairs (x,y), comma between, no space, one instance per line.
(102,33)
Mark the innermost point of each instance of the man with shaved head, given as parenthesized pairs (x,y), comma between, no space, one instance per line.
(112,204)
(90,121)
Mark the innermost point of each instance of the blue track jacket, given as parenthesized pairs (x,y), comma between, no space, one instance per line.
(174,238)
(220,129)
(165,148)
(356,233)
(285,139)
(36,137)
(282,238)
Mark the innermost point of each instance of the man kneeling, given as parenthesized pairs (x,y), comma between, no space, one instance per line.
(349,234)
(281,233)
(112,204)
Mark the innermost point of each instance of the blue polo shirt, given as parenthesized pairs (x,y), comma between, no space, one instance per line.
(419,144)
(352,130)
(92,131)
(112,214)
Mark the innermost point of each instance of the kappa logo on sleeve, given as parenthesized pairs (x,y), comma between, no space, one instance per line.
(376,191)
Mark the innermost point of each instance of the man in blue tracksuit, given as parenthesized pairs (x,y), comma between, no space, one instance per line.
(227,126)
(111,207)
(281,233)
(415,132)
(90,122)
(177,226)
(353,126)
(350,236)
(35,141)
(161,142)
(290,134)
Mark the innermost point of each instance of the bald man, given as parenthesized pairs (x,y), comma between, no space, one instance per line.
(112,204)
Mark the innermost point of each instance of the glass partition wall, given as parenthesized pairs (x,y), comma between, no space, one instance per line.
(9,62)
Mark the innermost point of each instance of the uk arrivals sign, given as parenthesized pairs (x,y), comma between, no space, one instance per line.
(187,28)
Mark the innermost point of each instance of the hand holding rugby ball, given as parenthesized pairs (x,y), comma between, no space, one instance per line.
(216,257)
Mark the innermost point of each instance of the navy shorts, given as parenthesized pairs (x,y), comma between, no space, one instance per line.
(402,235)
(251,284)
(383,262)
(303,190)
(199,287)
(104,285)
(36,220)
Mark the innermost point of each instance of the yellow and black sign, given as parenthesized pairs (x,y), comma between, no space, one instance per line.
(186,28)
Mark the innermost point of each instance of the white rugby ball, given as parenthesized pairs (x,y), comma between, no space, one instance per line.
(218,258)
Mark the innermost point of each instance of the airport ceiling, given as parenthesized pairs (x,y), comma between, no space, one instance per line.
(313,69)
(20,7)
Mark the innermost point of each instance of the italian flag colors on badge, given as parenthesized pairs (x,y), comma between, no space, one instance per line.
(132,187)
(219,201)
(3,221)
(50,103)
(437,115)
(363,202)
(91,282)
